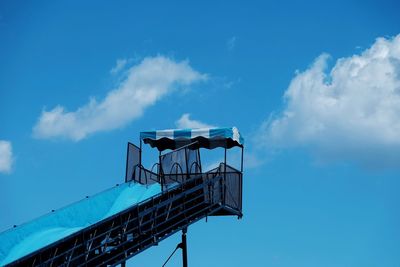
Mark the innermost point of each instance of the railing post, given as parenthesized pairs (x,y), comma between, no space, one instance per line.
(241,161)
(126,165)
(140,161)
(161,172)
(224,181)
(186,162)
(241,192)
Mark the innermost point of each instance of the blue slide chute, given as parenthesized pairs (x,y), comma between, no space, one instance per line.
(34,235)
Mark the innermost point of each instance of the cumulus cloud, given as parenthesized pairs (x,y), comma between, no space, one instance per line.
(144,85)
(6,156)
(350,111)
(119,65)
(186,122)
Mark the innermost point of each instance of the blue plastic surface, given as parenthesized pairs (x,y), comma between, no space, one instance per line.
(31,236)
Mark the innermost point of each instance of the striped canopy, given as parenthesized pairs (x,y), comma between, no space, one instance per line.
(205,137)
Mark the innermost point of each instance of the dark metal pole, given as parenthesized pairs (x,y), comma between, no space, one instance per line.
(126,165)
(140,161)
(241,161)
(184,248)
(140,154)
(161,172)
(225,159)
(198,151)
(123,264)
(186,161)
(224,182)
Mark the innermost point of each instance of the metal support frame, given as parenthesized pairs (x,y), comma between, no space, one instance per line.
(184,248)
(124,235)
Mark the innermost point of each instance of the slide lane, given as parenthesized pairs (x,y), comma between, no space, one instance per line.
(24,239)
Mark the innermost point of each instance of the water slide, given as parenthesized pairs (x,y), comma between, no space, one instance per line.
(24,239)
(115,225)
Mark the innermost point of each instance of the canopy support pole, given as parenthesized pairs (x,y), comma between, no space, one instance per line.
(224,181)
(140,161)
(160,172)
(140,154)
(225,156)
(241,162)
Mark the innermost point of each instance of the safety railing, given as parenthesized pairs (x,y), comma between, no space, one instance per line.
(133,160)
(135,170)
(231,186)
(181,165)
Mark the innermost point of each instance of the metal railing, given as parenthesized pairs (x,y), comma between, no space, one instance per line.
(181,165)
(231,186)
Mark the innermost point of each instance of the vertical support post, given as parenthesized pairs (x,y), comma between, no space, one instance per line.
(140,154)
(225,159)
(224,181)
(140,161)
(159,168)
(123,264)
(199,160)
(186,163)
(126,165)
(184,248)
(241,183)
(161,171)
(241,162)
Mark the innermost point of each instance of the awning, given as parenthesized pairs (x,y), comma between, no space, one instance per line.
(205,138)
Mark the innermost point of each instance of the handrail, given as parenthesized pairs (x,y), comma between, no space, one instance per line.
(194,164)
(139,168)
(177,165)
(155,165)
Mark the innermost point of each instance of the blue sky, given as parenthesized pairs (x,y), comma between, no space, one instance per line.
(313,87)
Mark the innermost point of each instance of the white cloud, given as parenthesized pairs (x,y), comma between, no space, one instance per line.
(185,122)
(231,43)
(6,156)
(351,112)
(119,65)
(144,85)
